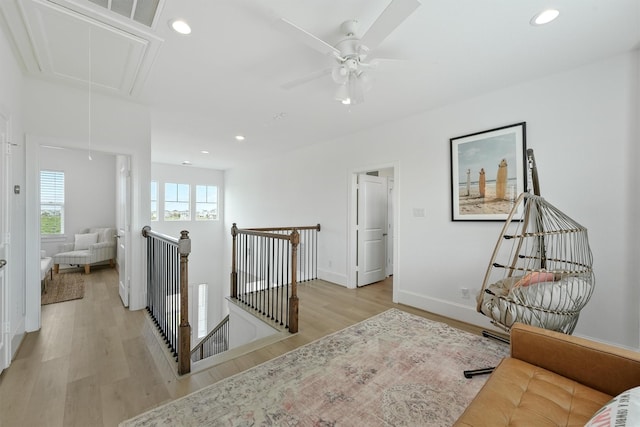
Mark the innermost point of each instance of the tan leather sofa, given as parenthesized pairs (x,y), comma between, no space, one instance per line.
(551,379)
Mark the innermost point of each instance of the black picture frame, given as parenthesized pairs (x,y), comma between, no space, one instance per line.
(488,173)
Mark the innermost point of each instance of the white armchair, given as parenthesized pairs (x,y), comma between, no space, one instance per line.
(46,262)
(91,246)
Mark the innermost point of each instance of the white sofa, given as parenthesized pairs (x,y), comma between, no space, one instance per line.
(91,246)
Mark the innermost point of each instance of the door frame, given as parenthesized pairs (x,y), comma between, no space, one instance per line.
(33,145)
(6,338)
(123,220)
(352,214)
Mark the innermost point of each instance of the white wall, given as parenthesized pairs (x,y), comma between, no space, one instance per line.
(11,89)
(582,126)
(244,327)
(207,237)
(73,118)
(90,191)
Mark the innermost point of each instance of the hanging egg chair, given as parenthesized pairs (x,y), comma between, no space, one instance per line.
(540,272)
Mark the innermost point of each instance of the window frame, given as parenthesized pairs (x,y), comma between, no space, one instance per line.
(202,310)
(178,194)
(58,191)
(156,200)
(196,202)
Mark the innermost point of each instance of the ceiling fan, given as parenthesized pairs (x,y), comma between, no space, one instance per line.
(350,54)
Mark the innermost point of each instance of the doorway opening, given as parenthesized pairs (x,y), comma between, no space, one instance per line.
(372,227)
(102,166)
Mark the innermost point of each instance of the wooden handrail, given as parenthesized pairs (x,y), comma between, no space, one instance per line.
(293,299)
(200,346)
(260,287)
(184,359)
(148,232)
(168,276)
(303,227)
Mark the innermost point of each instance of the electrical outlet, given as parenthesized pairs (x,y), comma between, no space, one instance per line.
(464,292)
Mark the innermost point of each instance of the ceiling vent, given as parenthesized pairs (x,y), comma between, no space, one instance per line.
(142,11)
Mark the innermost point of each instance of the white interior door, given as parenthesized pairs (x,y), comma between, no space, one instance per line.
(372,229)
(124,230)
(5,350)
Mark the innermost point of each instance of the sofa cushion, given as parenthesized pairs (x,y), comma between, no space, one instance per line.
(45,266)
(72,257)
(518,393)
(83,241)
(104,234)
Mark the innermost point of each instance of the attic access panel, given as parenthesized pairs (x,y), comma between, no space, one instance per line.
(74,41)
(77,49)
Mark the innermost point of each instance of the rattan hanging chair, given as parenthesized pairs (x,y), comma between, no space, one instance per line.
(540,272)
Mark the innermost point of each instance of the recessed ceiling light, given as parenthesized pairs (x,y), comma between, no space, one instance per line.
(186,163)
(180,26)
(544,17)
(204,152)
(239,138)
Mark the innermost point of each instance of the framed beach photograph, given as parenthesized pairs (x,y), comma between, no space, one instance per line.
(487,173)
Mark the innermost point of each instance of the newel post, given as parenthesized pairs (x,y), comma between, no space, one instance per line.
(184,345)
(293,299)
(234,269)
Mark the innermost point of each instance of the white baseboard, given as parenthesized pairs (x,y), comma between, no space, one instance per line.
(333,277)
(468,314)
(463,313)
(17,335)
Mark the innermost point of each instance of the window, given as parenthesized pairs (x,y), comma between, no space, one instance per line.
(206,202)
(176,202)
(51,202)
(202,310)
(154,200)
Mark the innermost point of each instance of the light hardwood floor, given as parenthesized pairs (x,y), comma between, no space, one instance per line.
(95,363)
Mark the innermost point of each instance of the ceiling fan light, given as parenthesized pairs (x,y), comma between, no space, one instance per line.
(339,74)
(355,89)
(342,94)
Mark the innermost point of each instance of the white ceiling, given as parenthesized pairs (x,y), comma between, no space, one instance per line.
(226,77)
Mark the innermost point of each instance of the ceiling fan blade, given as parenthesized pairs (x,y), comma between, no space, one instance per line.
(306,37)
(310,77)
(389,19)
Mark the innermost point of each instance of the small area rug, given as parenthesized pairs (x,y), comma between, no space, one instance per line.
(63,287)
(394,369)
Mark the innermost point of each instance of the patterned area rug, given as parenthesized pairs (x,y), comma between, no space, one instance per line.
(63,287)
(394,369)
